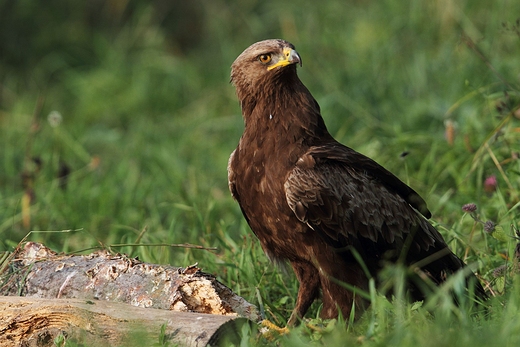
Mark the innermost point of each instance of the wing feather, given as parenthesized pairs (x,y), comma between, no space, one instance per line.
(361,163)
(348,196)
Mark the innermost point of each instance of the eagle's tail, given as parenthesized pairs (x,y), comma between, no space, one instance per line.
(442,265)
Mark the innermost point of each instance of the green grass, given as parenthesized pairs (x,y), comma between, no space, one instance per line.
(149,120)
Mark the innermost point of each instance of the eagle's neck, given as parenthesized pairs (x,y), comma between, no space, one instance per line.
(283,119)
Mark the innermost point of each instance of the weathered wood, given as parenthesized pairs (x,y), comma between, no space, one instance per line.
(37,271)
(31,322)
(102,281)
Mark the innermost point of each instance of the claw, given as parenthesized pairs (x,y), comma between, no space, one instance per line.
(270,330)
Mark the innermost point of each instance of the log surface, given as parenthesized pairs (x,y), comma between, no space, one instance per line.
(37,271)
(102,297)
(31,322)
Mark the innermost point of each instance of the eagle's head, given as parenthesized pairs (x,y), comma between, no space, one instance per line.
(261,65)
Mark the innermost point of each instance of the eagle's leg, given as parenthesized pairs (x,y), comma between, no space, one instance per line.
(339,298)
(309,280)
(309,289)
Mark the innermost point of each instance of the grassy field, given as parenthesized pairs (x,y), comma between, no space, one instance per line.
(118,129)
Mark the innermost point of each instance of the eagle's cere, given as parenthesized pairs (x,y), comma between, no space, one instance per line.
(315,203)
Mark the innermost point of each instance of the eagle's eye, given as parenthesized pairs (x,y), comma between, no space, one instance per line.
(264,58)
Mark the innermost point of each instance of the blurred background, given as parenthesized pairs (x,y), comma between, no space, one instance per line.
(117,117)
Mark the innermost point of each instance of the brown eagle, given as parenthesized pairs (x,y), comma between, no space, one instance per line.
(317,204)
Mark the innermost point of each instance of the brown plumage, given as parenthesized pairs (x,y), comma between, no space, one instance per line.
(311,201)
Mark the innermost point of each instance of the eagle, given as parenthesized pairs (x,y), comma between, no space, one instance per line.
(336,216)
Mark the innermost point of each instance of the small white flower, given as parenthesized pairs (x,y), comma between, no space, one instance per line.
(54,118)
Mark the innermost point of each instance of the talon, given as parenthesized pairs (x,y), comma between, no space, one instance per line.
(271,330)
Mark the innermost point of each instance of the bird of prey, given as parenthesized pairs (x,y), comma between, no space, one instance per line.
(335,215)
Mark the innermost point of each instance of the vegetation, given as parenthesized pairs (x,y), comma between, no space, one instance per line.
(117,120)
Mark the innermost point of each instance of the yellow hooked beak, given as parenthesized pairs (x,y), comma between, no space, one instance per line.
(290,56)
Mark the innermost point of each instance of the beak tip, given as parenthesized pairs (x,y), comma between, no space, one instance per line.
(295,58)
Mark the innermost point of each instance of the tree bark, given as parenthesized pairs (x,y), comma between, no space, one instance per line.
(32,322)
(102,280)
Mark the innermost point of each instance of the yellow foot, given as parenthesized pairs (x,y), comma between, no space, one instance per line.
(271,330)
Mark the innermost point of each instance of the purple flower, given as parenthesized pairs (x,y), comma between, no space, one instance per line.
(469,208)
(489,226)
(490,184)
(499,271)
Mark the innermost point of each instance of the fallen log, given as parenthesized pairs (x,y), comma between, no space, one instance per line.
(38,322)
(37,272)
